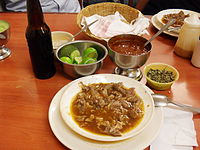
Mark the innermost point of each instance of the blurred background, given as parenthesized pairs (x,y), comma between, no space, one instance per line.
(147,7)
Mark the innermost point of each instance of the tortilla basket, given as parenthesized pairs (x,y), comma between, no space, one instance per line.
(107,8)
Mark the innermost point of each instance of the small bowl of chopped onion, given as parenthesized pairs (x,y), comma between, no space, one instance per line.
(160,76)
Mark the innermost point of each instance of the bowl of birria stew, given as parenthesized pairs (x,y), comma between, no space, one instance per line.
(107,107)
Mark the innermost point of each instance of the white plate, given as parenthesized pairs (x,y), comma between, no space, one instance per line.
(160,14)
(156,20)
(159,25)
(74,88)
(74,141)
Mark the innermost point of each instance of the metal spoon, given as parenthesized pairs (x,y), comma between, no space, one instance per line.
(169,23)
(174,29)
(83,29)
(162,100)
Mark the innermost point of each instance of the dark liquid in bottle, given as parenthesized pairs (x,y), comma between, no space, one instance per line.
(41,53)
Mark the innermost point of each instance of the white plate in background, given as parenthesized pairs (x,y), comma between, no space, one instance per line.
(159,25)
(160,15)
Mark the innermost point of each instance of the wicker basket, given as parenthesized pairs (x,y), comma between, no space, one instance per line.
(105,9)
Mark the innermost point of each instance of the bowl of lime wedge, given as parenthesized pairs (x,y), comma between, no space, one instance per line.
(81,57)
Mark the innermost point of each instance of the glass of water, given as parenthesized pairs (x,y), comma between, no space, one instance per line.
(4,37)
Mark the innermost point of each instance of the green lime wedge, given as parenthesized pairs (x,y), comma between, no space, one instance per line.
(78,60)
(88,60)
(74,54)
(67,50)
(90,52)
(66,59)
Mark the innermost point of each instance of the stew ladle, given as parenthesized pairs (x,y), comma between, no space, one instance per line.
(166,26)
(162,101)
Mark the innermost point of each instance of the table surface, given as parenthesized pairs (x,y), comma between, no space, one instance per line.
(25,100)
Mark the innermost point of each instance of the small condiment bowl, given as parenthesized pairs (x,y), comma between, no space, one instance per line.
(78,70)
(59,38)
(160,66)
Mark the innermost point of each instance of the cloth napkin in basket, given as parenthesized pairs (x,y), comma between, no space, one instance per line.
(111,25)
(177,131)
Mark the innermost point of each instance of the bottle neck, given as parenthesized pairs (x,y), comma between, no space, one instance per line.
(34,13)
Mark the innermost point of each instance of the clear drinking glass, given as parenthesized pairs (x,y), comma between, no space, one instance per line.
(4,37)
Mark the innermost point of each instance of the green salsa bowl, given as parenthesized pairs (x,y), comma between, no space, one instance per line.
(157,82)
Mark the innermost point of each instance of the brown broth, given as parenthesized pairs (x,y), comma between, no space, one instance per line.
(178,16)
(104,113)
(128,47)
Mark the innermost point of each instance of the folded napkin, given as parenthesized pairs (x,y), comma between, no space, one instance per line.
(111,25)
(177,131)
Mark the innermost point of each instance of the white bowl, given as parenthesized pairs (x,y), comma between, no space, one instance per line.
(60,37)
(74,88)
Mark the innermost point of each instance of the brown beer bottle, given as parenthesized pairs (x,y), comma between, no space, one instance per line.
(39,41)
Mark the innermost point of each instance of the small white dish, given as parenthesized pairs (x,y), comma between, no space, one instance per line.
(74,141)
(60,37)
(74,88)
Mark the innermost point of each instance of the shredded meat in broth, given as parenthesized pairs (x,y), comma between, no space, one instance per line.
(107,108)
(178,16)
